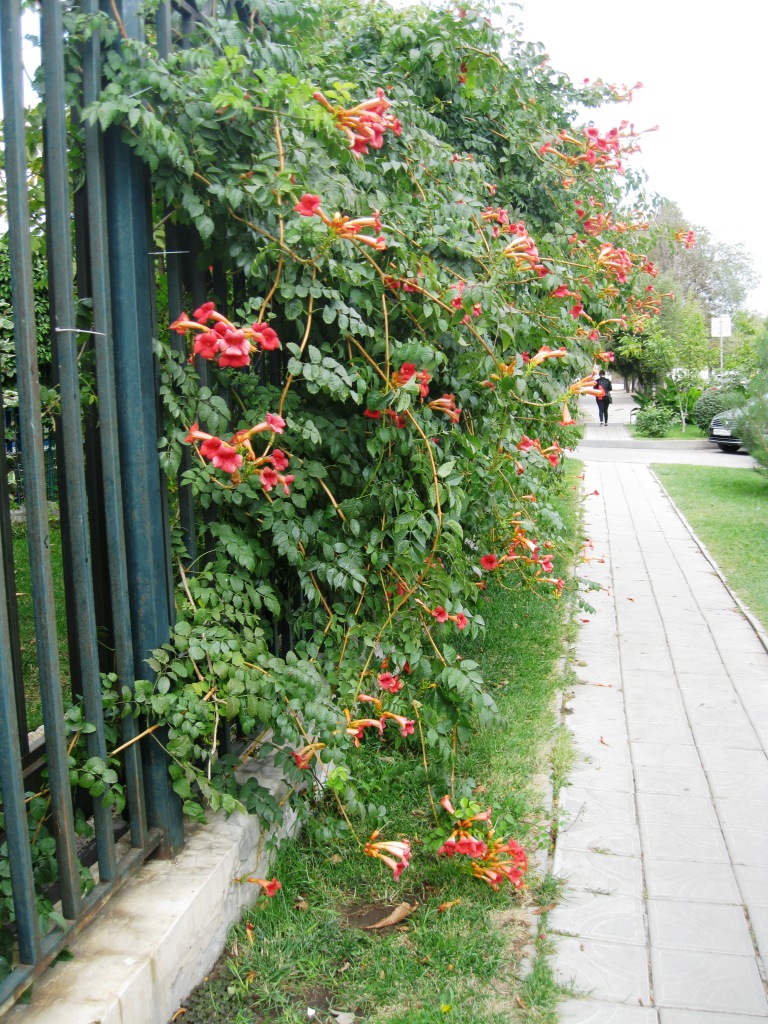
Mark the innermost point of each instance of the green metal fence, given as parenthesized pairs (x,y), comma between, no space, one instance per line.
(116,558)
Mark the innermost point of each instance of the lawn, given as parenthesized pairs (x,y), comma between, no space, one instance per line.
(27,622)
(457,956)
(728,509)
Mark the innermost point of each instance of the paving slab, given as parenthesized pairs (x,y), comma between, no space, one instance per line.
(604,873)
(684,880)
(663,839)
(709,927)
(695,980)
(701,1017)
(592,1011)
(597,916)
(612,971)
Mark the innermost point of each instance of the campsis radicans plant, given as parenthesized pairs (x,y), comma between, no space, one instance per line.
(418,384)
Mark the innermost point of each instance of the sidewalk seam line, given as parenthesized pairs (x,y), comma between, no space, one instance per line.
(646,918)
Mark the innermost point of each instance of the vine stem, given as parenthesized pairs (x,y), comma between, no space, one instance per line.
(386,336)
(305,338)
(118,19)
(124,746)
(453,761)
(438,531)
(70,748)
(435,479)
(186,585)
(347,634)
(215,742)
(424,761)
(324,770)
(332,500)
(255,227)
(482,235)
(265,234)
(313,578)
(429,295)
(435,648)
(279,198)
(248,752)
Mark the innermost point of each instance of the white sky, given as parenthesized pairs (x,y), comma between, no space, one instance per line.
(704,68)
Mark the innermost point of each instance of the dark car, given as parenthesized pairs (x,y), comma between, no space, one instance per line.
(724,430)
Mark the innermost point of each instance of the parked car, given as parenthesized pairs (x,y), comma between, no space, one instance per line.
(724,430)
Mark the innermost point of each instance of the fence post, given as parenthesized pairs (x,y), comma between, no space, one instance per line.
(129,206)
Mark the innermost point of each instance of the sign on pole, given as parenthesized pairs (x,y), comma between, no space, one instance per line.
(721,327)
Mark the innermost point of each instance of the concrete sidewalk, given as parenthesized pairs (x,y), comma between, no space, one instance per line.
(664,828)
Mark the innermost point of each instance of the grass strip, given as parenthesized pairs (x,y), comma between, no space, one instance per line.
(456,963)
(675,433)
(728,509)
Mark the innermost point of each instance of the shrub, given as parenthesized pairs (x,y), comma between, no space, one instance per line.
(655,421)
(753,428)
(711,403)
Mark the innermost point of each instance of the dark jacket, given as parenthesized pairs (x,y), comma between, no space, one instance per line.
(605,384)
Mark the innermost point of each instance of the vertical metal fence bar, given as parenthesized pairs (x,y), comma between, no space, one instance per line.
(163,28)
(9,592)
(109,437)
(34,468)
(109,432)
(128,206)
(94,491)
(71,453)
(199,293)
(189,16)
(175,303)
(12,784)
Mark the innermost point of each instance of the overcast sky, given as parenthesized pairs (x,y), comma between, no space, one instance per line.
(704,69)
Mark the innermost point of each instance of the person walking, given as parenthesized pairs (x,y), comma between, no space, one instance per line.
(603,403)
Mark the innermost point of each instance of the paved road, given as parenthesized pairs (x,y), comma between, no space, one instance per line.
(664,826)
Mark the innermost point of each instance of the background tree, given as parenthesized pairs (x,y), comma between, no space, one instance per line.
(644,359)
(750,331)
(718,274)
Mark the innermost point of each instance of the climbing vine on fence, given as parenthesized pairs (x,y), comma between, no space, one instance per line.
(427,256)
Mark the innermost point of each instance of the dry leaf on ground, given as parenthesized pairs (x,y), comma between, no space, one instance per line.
(398,914)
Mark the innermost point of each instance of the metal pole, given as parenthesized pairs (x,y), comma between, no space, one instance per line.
(722,357)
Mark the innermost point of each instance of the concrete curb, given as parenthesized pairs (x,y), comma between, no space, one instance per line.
(162,933)
(762,636)
(668,445)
